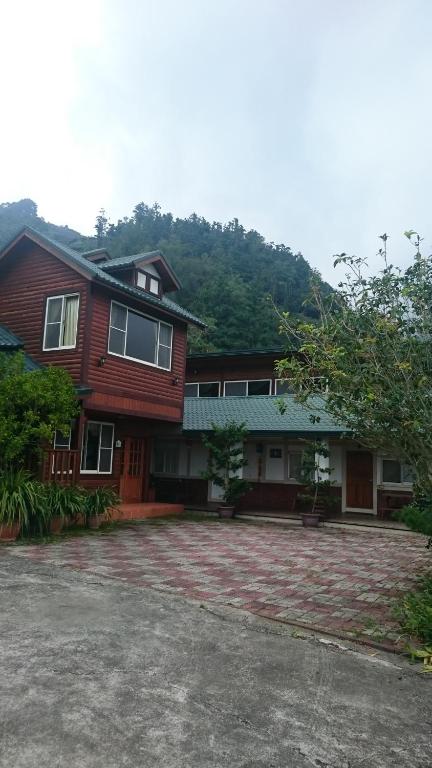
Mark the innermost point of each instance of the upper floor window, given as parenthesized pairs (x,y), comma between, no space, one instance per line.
(202,389)
(61,322)
(149,283)
(139,337)
(247,388)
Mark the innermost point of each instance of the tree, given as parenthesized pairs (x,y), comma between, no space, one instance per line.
(225,447)
(372,345)
(32,406)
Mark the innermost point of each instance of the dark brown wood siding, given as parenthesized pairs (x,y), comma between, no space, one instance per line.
(122,385)
(28,276)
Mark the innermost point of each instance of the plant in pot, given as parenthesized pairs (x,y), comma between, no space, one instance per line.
(98,504)
(21,503)
(65,504)
(225,459)
(314,477)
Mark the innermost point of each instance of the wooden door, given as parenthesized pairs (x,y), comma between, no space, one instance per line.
(132,470)
(359,480)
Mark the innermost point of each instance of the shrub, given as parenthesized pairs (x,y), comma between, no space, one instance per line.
(64,501)
(22,501)
(414,611)
(99,501)
(418,517)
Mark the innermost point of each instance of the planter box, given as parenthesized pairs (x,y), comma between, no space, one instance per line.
(310,519)
(226,512)
(9,532)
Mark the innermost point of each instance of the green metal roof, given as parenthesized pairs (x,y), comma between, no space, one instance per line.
(8,340)
(125,261)
(94,270)
(10,343)
(260,414)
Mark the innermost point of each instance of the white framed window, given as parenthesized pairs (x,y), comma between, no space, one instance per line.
(148,283)
(295,460)
(395,472)
(248,388)
(97,450)
(61,322)
(154,285)
(62,441)
(166,457)
(202,389)
(139,337)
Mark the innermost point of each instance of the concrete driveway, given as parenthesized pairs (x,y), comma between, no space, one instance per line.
(341,581)
(100,673)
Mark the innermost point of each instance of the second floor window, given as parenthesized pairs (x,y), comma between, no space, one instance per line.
(247,388)
(202,389)
(138,337)
(61,322)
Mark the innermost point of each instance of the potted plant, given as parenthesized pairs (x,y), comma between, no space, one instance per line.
(315,479)
(65,503)
(97,505)
(225,459)
(21,503)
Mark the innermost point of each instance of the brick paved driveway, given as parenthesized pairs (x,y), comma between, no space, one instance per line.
(340,580)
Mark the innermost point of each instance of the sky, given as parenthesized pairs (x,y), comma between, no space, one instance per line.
(308,120)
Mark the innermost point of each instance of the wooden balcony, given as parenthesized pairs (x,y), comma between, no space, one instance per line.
(61,467)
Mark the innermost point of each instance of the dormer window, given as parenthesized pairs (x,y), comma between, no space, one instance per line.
(149,283)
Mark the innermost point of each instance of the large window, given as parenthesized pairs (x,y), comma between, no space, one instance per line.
(247,388)
(166,457)
(203,389)
(395,472)
(138,337)
(97,452)
(61,322)
(295,461)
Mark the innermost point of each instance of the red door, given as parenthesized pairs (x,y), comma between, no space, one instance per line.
(359,480)
(132,470)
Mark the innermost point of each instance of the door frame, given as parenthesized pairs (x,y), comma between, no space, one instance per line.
(145,468)
(374,509)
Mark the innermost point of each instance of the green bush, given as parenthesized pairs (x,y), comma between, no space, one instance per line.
(418,517)
(99,502)
(64,501)
(414,611)
(22,500)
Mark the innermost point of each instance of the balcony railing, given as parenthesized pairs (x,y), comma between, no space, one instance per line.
(61,467)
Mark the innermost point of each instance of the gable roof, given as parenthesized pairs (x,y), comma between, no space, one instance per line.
(260,414)
(94,272)
(170,279)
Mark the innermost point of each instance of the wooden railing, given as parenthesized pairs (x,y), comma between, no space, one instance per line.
(61,467)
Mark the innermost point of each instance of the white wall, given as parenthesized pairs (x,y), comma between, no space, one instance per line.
(275,467)
(336,458)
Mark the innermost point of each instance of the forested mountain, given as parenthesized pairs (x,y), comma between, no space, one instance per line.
(230,277)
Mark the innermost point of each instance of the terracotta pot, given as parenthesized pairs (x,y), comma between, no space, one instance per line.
(95,520)
(310,519)
(226,511)
(56,525)
(9,532)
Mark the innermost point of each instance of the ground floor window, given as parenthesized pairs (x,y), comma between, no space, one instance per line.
(395,472)
(166,457)
(97,453)
(62,440)
(295,461)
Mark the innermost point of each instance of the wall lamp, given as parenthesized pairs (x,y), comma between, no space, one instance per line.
(175,380)
(101,361)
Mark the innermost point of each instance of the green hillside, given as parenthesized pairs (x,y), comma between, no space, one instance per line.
(230,277)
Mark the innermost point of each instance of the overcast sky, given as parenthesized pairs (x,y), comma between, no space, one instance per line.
(308,120)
